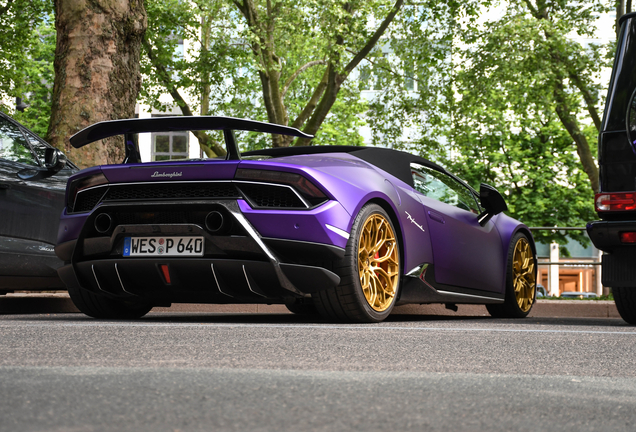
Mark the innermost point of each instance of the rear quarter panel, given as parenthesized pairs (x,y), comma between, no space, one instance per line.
(354,183)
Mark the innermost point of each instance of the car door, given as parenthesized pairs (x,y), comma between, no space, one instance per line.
(30,209)
(465,253)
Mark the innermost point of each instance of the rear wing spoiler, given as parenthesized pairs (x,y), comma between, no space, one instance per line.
(130,127)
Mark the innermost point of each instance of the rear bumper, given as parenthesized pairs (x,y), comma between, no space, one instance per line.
(619,261)
(606,234)
(240,266)
(198,280)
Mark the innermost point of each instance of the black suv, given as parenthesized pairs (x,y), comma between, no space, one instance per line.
(33,178)
(615,233)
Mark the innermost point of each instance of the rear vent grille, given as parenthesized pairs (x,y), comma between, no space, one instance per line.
(271,196)
(172,191)
(86,201)
(259,195)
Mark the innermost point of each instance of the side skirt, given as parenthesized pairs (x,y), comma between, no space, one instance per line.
(419,286)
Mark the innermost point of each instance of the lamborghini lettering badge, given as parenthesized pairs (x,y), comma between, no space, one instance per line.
(165,174)
(413,221)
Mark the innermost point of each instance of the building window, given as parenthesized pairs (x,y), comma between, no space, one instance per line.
(169,146)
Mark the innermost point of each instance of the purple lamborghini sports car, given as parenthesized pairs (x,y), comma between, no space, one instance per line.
(346,232)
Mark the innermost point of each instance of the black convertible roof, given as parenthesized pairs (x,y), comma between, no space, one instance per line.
(395,162)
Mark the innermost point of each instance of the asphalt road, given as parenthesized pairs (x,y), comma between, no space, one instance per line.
(269,372)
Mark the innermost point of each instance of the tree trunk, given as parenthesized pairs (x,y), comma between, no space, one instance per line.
(97,73)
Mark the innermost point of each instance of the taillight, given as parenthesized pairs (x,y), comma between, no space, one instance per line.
(615,201)
(302,184)
(80,184)
(628,237)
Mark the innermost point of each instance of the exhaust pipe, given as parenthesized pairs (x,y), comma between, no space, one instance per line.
(103,223)
(214,221)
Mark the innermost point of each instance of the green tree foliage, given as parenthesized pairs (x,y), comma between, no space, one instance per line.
(514,102)
(267,60)
(27,46)
(526,111)
(37,88)
(411,76)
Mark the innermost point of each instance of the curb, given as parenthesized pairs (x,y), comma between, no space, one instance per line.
(542,309)
(49,303)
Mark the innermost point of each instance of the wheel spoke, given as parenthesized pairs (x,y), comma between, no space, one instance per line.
(380,235)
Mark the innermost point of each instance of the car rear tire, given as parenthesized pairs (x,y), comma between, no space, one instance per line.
(625,299)
(370,272)
(521,280)
(97,306)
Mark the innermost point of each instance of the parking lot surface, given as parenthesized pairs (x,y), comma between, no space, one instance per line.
(211,371)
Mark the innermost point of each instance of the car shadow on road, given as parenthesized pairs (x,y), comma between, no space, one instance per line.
(291,319)
(513,322)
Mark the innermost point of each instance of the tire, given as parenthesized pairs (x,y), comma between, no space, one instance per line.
(97,306)
(521,280)
(370,272)
(304,307)
(625,299)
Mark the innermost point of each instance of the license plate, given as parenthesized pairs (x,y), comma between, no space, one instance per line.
(164,246)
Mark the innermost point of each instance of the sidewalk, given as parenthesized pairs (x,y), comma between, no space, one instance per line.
(48,303)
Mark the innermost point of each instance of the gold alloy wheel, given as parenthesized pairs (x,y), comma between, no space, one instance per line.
(378,262)
(523,275)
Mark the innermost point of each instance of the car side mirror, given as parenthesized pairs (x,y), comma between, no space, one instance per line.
(492,202)
(54,162)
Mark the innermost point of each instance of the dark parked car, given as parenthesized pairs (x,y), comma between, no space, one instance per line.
(33,178)
(347,231)
(615,233)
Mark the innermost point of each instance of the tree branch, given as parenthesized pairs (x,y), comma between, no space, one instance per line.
(375,38)
(208,145)
(590,101)
(389,70)
(334,79)
(571,126)
(311,105)
(298,72)
(564,111)
(533,10)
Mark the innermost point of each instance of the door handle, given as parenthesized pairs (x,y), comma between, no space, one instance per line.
(436,217)
(5,186)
